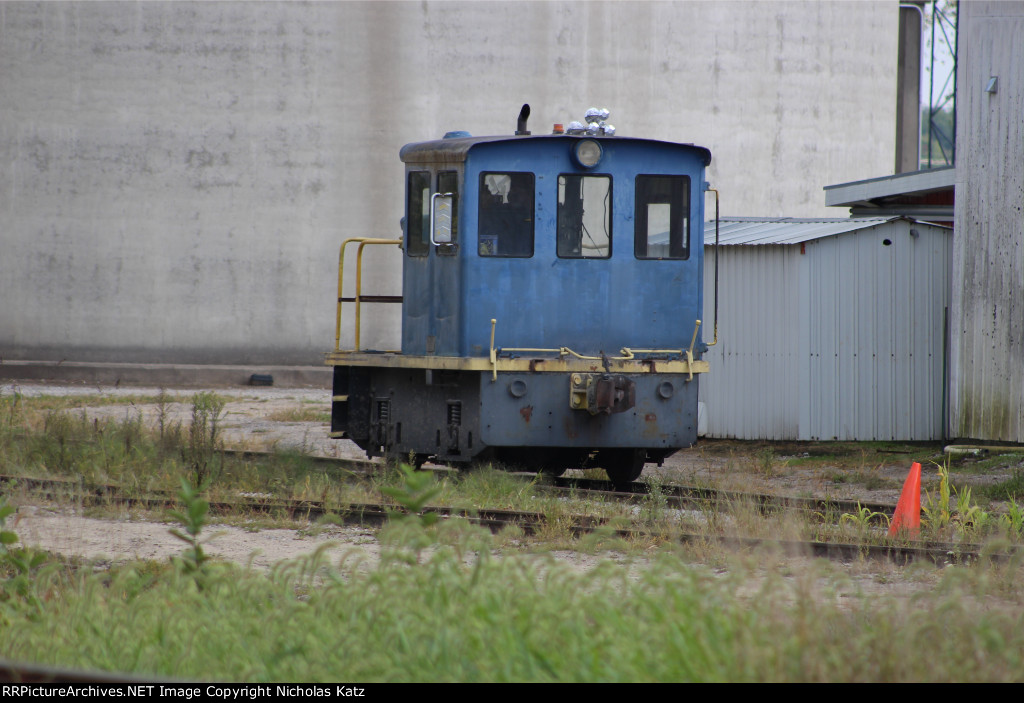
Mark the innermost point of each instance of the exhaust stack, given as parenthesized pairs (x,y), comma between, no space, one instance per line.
(524,115)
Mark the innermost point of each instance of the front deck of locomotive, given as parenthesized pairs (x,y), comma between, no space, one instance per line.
(552,295)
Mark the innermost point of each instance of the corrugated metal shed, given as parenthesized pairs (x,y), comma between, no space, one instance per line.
(829,329)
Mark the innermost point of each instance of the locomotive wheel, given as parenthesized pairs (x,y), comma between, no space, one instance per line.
(623,466)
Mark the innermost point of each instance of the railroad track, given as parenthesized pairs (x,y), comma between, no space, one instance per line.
(376,514)
(676,496)
(698,497)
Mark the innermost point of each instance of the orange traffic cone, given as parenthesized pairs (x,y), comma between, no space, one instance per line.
(908,510)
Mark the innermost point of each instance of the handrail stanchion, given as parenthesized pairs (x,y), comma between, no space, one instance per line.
(363,241)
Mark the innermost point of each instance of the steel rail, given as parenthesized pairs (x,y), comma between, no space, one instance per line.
(531,522)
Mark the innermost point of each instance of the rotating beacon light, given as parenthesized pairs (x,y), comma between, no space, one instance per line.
(587,153)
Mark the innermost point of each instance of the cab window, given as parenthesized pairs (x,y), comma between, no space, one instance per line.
(584,216)
(448,182)
(505,222)
(662,217)
(417,213)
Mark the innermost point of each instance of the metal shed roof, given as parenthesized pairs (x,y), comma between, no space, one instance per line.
(900,185)
(736,231)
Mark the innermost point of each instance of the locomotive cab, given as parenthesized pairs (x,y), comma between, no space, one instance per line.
(552,295)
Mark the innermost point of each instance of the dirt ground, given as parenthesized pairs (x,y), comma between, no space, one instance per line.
(258,418)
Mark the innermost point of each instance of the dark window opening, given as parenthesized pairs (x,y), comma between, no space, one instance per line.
(584,216)
(505,219)
(417,213)
(662,217)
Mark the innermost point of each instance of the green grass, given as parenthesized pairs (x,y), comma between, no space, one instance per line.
(450,602)
(1010,489)
(439,607)
(38,440)
(47,403)
(301,414)
(855,455)
(997,462)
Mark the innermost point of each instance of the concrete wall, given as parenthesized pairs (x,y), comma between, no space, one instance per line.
(987,312)
(176,177)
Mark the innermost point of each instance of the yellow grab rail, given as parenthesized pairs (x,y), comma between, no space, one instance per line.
(627,354)
(359,297)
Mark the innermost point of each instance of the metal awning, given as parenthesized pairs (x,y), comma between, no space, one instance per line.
(925,194)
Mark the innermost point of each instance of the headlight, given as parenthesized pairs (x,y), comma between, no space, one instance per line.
(587,153)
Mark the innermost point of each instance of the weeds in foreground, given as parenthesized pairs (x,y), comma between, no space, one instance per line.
(937,510)
(192,519)
(460,614)
(203,437)
(18,565)
(9,407)
(766,463)
(1010,489)
(952,512)
(1013,520)
(653,509)
(863,519)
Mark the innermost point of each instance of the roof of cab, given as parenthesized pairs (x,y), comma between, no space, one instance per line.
(455,150)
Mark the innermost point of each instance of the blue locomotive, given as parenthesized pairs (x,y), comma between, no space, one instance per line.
(551,305)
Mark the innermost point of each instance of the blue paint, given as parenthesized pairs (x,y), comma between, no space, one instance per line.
(589,305)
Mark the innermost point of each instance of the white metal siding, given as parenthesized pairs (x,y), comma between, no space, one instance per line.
(875,334)
(751,392)
(842,342)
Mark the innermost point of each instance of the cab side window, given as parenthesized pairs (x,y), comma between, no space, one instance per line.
(448,182)
(417,213)
(505,222)
(662,217)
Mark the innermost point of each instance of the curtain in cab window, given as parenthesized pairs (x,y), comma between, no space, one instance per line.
(505,215)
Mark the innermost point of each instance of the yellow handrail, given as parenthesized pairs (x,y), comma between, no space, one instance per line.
(363,241)
(627,354)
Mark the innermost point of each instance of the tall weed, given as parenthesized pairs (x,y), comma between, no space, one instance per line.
(199,454)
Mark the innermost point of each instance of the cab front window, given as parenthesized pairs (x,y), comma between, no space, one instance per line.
(584,216)
(662,217)
(505,219)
